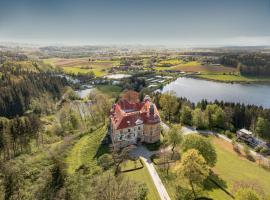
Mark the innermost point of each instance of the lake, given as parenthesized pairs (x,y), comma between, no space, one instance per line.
(195,90)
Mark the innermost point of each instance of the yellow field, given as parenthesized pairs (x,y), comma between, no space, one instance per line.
(82,65)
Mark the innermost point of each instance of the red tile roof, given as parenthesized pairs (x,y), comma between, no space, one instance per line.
(125,114)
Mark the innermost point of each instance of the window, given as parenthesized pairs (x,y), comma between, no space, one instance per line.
(139,128)
(128,130)
(121,131)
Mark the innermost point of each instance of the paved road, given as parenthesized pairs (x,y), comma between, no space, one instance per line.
(145,155)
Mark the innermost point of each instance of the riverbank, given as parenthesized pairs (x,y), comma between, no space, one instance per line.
(232,78)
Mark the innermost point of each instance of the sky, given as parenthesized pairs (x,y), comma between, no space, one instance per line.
(137,22)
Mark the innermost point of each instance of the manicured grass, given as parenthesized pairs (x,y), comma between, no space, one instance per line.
(112,90)
(233,78)
(86,151)
(131,165)
(142,175)
(231,167)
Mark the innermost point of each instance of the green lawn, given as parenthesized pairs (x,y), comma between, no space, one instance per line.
(230,167)
(86,151)
(130,165)
(112,90)
(142,175)
(233,78)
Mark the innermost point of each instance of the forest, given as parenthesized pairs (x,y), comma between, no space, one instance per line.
(248,63)
(19,90)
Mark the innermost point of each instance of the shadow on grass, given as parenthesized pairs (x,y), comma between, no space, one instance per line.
(215,182)
(102,149)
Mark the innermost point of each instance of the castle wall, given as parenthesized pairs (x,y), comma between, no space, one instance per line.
(151,133)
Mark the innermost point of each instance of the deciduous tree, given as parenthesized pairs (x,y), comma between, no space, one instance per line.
(194,168)
(203,145)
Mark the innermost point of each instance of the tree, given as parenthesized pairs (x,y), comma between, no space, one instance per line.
(169,104)
(219,118)
(194,168)
(262,128)
(247,194)
(175,137)
(109,187)
(199,119)
(120,156)
(203,145)
(216,116)
(131,96)
(102,105)
(105,161)
(186,115)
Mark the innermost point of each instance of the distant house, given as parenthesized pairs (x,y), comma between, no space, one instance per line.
(245,135)
(134,122)
(248,137)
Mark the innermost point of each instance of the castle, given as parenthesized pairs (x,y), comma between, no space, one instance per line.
(133,122)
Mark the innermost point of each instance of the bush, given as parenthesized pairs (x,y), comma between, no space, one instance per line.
(258,149)
(264,150)
(105,161)
(229,134)
(235,146)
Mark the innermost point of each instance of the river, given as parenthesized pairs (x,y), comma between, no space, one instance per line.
(196,89)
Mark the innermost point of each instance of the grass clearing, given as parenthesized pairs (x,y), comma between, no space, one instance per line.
(131,165)
(231,167)
(112,90)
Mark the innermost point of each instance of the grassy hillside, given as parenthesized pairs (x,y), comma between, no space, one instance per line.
(231,167)
(86,151)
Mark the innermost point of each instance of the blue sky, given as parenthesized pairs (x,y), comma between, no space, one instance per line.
(146,22)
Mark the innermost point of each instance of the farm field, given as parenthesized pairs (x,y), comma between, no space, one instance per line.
(82,65)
